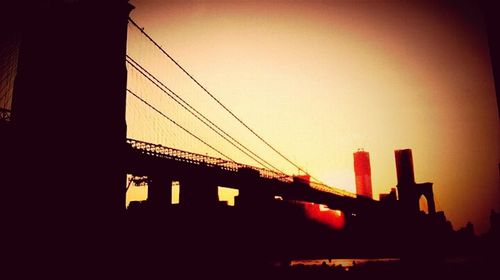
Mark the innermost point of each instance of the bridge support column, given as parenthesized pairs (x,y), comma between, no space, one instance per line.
(160,192)
(251,193)
(200,192)
(256,199)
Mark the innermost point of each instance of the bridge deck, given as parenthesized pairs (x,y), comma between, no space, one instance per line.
(198,159)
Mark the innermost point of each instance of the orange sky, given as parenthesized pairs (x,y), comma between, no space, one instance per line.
(320,79)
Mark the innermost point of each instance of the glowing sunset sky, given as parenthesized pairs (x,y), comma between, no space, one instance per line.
(321,79)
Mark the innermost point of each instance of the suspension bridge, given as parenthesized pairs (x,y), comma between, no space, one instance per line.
(96,105)
(206,131)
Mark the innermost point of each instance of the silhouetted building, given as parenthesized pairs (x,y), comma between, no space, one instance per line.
(362,172)
(388,197)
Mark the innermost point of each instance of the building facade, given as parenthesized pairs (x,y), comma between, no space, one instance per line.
(362,171)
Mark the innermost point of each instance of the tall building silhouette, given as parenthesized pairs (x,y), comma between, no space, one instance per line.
(363,175)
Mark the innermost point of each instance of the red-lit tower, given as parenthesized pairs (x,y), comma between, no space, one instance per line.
(362,171)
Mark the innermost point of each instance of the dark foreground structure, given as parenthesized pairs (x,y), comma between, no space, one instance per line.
(64,208)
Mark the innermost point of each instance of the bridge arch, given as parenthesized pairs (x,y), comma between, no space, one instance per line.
(423,204)
(425,192)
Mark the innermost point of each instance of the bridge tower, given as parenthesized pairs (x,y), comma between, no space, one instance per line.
(410,192)
(68,119)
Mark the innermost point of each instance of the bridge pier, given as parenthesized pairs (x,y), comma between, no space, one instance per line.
(254,198)
(198,191)
(251,193)
(160,191)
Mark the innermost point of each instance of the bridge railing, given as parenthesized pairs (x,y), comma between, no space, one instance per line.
(328,189)
(199,159)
